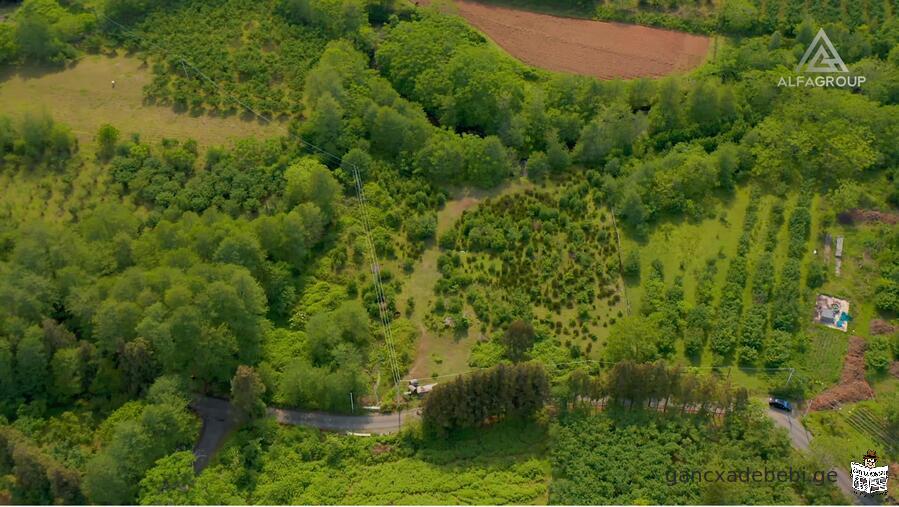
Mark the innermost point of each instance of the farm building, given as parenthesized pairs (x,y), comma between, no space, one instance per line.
(832,312)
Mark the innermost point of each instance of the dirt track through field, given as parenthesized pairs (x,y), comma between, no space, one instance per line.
(581,46)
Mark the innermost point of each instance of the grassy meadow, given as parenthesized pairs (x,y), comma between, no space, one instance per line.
(82,96)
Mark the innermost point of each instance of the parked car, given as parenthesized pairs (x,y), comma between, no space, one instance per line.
(780,404)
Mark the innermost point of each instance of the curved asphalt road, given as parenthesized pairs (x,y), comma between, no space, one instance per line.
(218,422)
(802,440)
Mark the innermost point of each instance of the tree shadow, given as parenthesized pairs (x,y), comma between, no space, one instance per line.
(500,443)
(247,115)
(32,71)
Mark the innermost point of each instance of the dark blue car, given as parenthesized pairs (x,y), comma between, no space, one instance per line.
(780,404)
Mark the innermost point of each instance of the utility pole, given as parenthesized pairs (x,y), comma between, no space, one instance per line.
(352,404)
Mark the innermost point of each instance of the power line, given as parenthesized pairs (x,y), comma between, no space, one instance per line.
(383,308)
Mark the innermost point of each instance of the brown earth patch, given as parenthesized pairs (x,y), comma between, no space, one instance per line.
(879,326)
(868,215)
(380,448)
(853,386)
(894,369)
(582,46)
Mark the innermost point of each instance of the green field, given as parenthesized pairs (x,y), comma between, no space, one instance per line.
(842,434)
(684,246)
(82,97)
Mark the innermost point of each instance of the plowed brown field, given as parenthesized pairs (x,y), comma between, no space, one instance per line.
(582,46)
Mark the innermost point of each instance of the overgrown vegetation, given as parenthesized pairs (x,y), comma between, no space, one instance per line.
(635,456)
(246,271)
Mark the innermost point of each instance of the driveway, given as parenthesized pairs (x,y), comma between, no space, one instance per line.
(802,439)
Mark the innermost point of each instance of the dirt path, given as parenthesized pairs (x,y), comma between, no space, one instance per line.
(582,46)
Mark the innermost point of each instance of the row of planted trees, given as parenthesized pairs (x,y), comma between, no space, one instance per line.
(654,385)
(520,390)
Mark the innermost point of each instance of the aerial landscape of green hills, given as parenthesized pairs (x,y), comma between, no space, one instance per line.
(447,252)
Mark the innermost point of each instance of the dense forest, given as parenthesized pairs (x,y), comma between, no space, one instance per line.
(270,271)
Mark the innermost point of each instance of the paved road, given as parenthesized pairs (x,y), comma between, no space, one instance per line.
(218,422)
(802,440)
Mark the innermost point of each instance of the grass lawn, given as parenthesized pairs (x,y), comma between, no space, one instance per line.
(843,435)
(684,246)
(823,361)
(83,98)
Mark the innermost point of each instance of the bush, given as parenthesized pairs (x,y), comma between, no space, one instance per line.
(631,267)
(817,274)
(538,166)
(879,354)
(421,227)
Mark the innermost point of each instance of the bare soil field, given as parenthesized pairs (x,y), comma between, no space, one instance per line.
(581,46)
(879,326)
(83,98)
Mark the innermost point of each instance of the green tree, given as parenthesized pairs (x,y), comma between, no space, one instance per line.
(310,181)
(247,390)
(107,140)
(36,38)
(879,353)
(7,376)
(8,50)
(738,16)
(632,264)
(139,364)
(67,369)
(442,159)
(614,129)
(518,340)
(487,162)
(32,363)
(538,166)
(634,339)
(169,481)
